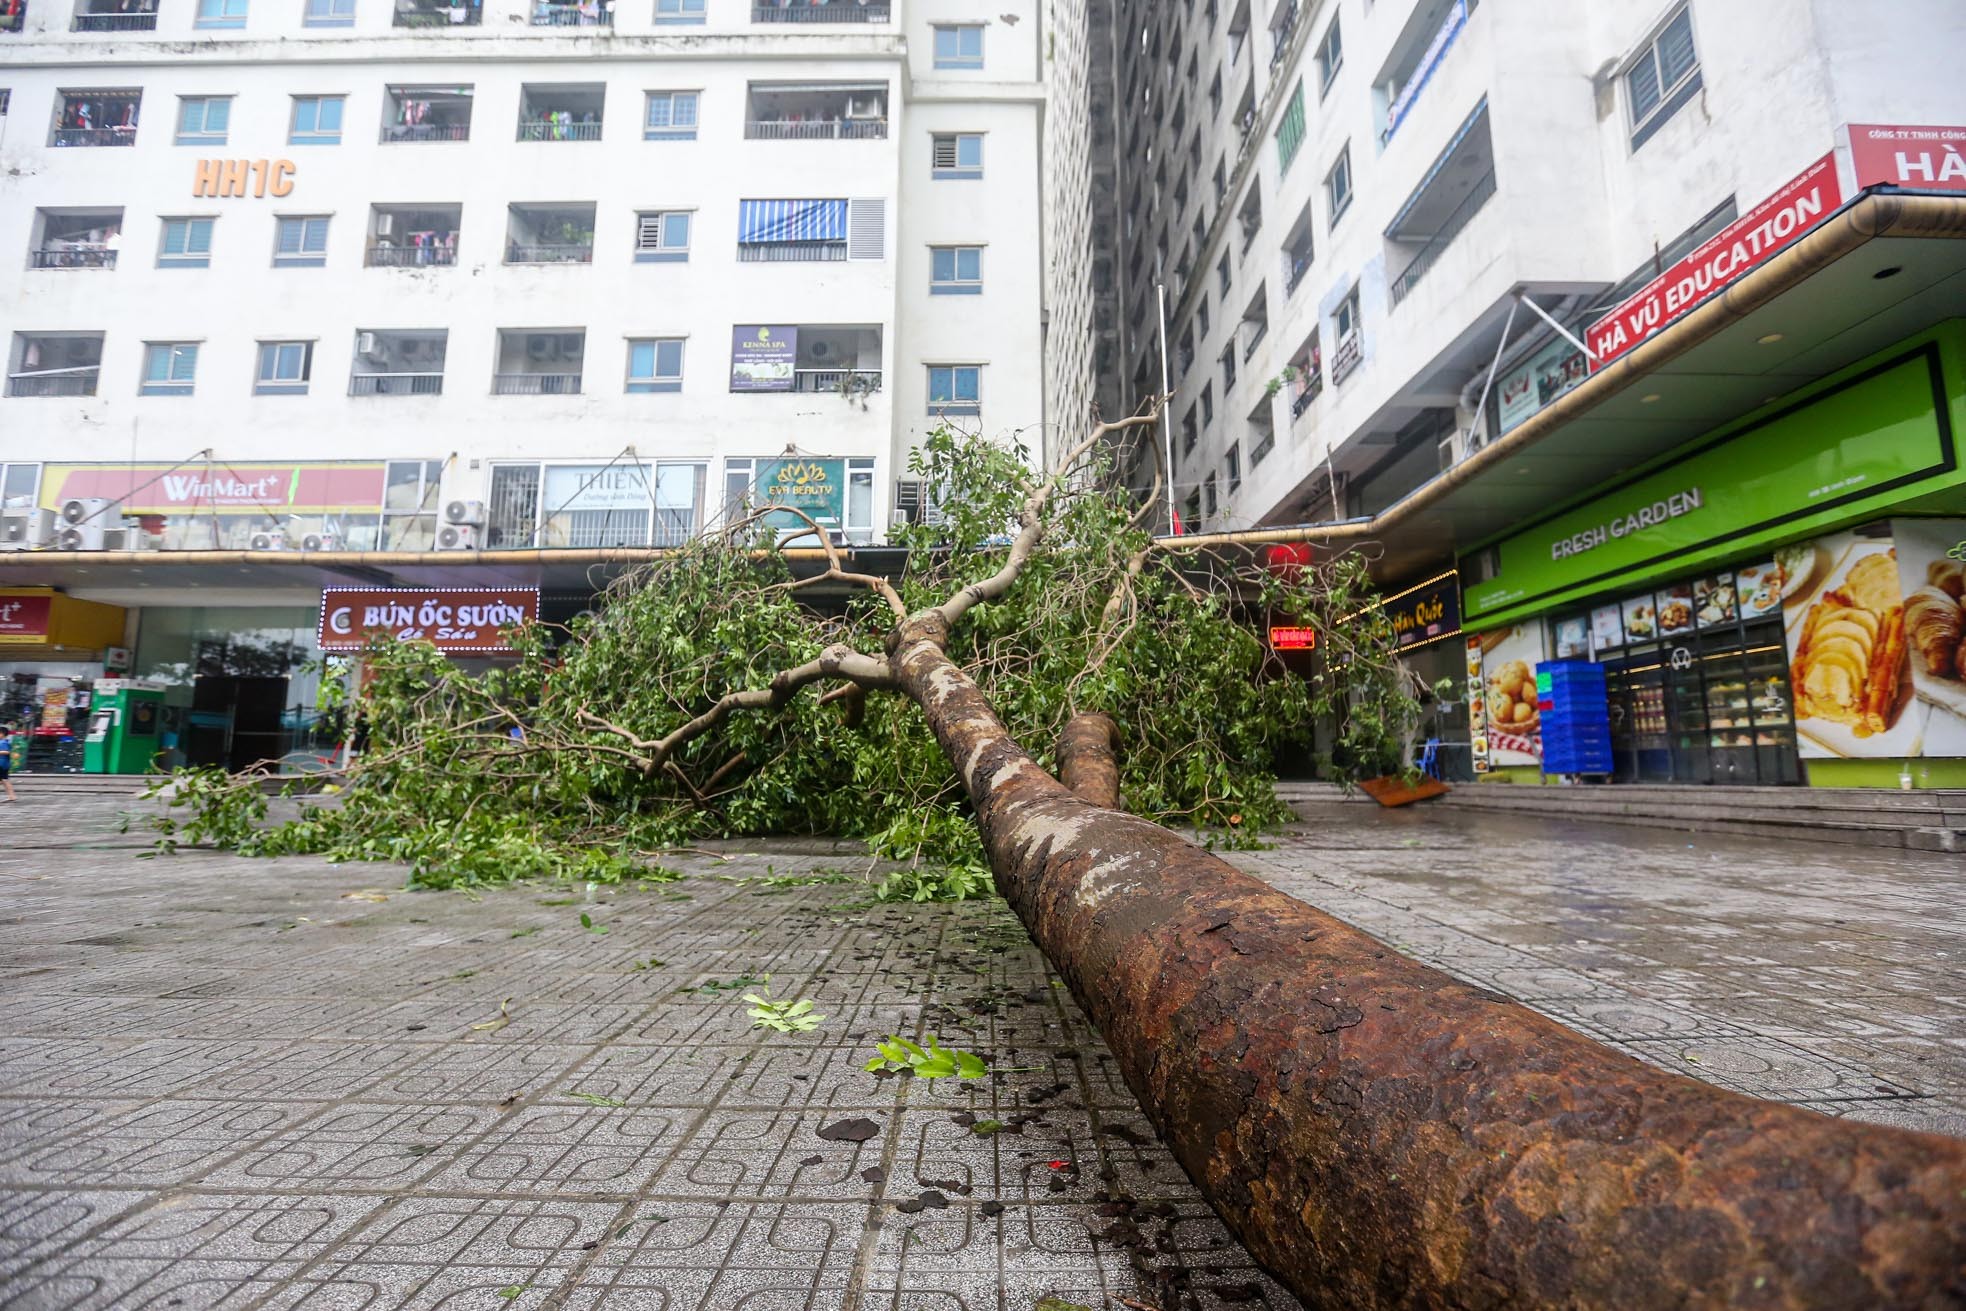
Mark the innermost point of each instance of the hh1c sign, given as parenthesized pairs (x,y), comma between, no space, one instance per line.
(1776,222)
(463,619)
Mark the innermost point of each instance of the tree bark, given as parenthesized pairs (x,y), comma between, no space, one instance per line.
(1381,1135)
(1088,759)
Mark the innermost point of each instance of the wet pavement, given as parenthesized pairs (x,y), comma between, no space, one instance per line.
(230,1083)
(1827,975)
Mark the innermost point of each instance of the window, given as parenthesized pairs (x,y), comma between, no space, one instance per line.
(1207,404)
(655,364)
(671,116)
(678,13)
(1345,319)
(955,270)
(202,120)
(1228,368)
(1191,512)
(409,504)
(1222,276)
(168,367)
(1665,75)
(1232,465)
(300,242)
(1208,497)
(329,13)
(957,156)
(1290,132)
(1189,433)
(954,389)
(959,46)
(317,121)
(187,244)
(284,368)
(1338,184)
(221,13)
(860,500)
(1201,316)
(18,484)
(662,236)
(1330,54)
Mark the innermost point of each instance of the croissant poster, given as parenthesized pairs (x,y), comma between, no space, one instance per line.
(1874,633)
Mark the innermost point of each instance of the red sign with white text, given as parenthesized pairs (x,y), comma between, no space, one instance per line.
(1811,197)
(465,619)
(285,488)
(1916,158)
(25,618)
(1292,639)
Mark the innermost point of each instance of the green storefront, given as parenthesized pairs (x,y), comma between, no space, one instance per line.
(1778,601)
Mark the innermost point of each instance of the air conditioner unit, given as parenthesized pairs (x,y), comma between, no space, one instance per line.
(385,225)
(85,509)
(26,528)
(907,501)
(81,537)
(465,512)
(136,539)
(538,346)
(365,343)
(321,542)
(118,539)
(270,539)
(457,537)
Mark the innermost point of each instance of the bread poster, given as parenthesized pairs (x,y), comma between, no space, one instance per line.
(1932,577)
(1508,675)
(1849,664)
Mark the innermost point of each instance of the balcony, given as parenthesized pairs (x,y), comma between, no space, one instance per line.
(1455,188)
(399,363)
(792,231)
(539,362)
(549,234)
(812,112)
(1430,31)
(816,359)
(1282,28)
(829,11)
(412,236)
(843,382)
(1349,355)
(426,113)
(435,13)
(115,16)
(560,112)
(76,238)
(573,15)
(55,364)
(96,118)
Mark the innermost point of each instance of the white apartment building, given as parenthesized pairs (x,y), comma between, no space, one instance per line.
(1344,198)
(307,279)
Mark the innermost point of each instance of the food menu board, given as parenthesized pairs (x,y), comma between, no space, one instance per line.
(1607,628)
(1676,610)
(1714,601)
(1573,638)
(1641,619)
(1477,708)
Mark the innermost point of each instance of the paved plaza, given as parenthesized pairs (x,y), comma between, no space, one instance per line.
(230,1083)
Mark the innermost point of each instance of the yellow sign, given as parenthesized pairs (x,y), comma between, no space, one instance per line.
(229,178)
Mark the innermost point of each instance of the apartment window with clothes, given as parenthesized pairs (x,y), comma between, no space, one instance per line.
(300,241)
(1290,132)
(662,236)
(959,45)
(1662,77)
(221,13)
(671,116)
(203,120)
(678,13)
(316,121)
(329,13)
(957,156)
(655,364)
(186,244)
(955,271)
(955,389)
(284,368)
(1330,54)
(168,368)
(1338,184)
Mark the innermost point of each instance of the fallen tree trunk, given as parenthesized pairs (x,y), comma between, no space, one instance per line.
(1381,1135)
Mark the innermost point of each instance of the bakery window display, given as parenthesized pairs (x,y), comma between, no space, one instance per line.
(1849,668)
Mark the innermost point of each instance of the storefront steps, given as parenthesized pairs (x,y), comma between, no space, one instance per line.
(1931,819)
(67,784)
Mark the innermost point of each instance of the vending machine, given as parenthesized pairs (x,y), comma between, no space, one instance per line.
(123,728)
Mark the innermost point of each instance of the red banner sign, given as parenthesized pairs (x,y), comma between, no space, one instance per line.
(467,619)
(1292,639)
(287,488)
(1811,197)
(25,618)
(1917,158)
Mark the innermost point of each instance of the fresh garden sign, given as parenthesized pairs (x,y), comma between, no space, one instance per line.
(1867,441)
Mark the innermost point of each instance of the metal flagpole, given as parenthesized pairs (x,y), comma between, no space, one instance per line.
(1166,433)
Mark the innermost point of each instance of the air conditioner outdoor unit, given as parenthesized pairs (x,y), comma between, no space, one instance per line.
(81,537)
(26,528)
(136,539)
(365,343)
(119,539)
(85,509)
(321,542)
(385,224)
(465,512)
(270,539)
(457,537)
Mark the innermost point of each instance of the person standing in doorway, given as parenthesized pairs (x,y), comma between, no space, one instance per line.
(7,761)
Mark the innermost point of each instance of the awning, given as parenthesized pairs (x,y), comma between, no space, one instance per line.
(760,221)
